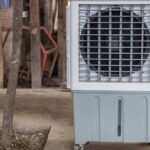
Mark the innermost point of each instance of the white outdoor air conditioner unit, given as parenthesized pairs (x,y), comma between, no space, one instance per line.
(109,69)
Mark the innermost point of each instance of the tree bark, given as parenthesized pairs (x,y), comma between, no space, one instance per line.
(62,40)
(7,125)
(50,9)
(35,44)
(1,58)
(48,14)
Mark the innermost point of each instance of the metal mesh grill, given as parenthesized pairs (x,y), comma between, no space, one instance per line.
(114,43)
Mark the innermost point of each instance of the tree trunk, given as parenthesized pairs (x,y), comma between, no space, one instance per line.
(35,44)
(50,9)
(48,14)
(1,58)
(62,40)
(7,124)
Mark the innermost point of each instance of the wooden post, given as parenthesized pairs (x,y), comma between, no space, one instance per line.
(50,9)
(62,40)
(7,124)
(54,12)
(1,58)
(12,3)
(35,44)
(48,14)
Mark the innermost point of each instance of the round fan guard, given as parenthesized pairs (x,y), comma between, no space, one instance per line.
(111,55)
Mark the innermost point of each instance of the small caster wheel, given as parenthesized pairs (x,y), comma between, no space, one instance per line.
(78,147)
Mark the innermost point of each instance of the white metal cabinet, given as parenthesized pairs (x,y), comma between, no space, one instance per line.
(86,119)
(135,119)
(108,119)
(110,105)
(101,117)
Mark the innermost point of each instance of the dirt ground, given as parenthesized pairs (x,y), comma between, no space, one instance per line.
(53,107)
(46,107)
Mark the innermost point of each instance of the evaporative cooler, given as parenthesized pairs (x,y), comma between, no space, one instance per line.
(109,69)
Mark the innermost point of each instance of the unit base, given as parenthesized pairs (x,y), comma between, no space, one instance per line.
(79,147)
(111,117)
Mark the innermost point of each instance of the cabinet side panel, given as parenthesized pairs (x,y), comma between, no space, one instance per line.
(86,118)
(108,119)
(148,120)
(135,113)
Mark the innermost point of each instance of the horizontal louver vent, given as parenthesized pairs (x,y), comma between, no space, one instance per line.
(114,43)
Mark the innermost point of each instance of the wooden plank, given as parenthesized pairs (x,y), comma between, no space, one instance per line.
(35,44)
(7,124)
(1,58)
(62,40)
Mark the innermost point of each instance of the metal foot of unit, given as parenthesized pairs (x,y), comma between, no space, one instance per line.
(79,147)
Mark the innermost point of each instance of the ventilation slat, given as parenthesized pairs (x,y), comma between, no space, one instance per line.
(110,46)
(142,44)
(114,43)
(99,44)
(131,42)
(88,42)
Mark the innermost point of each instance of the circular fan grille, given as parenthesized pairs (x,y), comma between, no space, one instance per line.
(128,52)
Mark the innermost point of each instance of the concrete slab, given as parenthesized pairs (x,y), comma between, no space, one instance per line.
(45,107)
(53,107)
